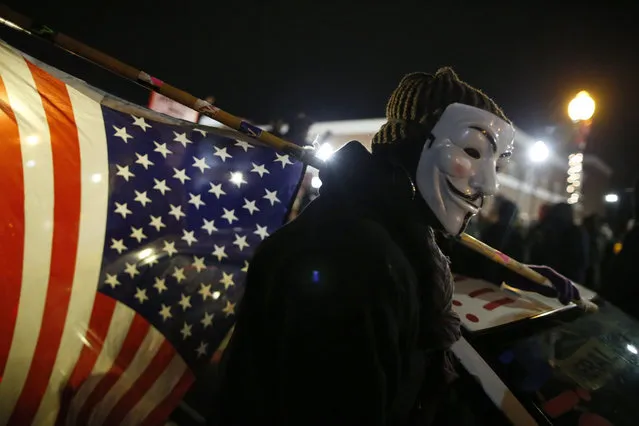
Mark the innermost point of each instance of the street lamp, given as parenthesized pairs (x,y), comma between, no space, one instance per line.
(538,152)
(580,110)
(582,107)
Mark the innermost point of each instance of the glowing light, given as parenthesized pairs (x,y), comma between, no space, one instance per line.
(237,178)
(30,163)
(632,348)
(616,248)
(145,253)
(33,140)
(324,152)
(570,189)
(96,177)
(611,198)
(582,107)
(216,295)
(539,152)
(316,182)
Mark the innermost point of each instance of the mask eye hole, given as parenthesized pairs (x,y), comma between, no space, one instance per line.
(472,152)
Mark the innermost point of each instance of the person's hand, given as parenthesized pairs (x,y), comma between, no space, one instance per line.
(562,288)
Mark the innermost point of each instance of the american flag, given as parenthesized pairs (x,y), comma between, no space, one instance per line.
(124,243)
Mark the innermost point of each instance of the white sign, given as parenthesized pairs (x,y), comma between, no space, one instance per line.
(482,305)
(164,105)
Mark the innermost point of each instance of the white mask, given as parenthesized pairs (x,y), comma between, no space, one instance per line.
(458,165)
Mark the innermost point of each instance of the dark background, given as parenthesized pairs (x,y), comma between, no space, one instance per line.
(340,60)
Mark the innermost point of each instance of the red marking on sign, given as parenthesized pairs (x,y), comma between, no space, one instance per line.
(472,318)
(497,303)
(561,404)
(583,394)
(481,291)
(457,303)
(592,419)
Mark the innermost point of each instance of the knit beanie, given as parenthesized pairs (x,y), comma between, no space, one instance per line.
(417,104)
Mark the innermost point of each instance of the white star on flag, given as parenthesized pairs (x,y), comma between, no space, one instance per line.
(124,172)
(240,242)
(161,186)
(229,309)
(186,331)
(205,291)
(139,121)
(283,159)
(165,312)
(198,264)
(122,209)
(219,252)
(207,321)
(250,206)
(141,198)
(162,149)
(196,200)
(176,212)
(178,274)
(227,280)
(181,137)
(188,237)
(157,223)
(271,196)
(261,231)
(144,161)
(111,280)
(217,190)
(244,145)
(209,226)
(229,215)
(221,152)
(169,247)
(185,302)
(180,174)
(200,163)
(140,294)
(118,245)
(131,269)
(259,169)
(122,134)
(138,234)
(160,285)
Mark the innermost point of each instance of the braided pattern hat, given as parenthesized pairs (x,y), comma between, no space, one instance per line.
(420,99)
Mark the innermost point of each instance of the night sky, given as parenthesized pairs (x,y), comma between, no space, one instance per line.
(341,60)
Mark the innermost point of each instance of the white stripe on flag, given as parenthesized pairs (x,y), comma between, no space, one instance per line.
(160,389)
(145,353)
(95,186)
(118,330)
(38,187)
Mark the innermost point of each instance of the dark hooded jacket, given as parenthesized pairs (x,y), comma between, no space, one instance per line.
(346,318)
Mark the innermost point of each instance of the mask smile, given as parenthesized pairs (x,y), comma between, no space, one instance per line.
(468,200)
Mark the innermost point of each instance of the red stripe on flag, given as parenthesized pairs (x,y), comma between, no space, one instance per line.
(101,315)
(164,409)
(65,151)
(11,224)
(151,373)
(138,330)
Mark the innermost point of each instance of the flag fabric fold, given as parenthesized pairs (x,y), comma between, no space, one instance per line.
(124,243)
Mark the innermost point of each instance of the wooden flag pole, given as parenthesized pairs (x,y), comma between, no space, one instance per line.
(20,22)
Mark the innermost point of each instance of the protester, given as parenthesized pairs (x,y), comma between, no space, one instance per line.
(559,243)
(346,318)
(623,286)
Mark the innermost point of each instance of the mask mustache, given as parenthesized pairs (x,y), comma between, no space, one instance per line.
(470,198)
